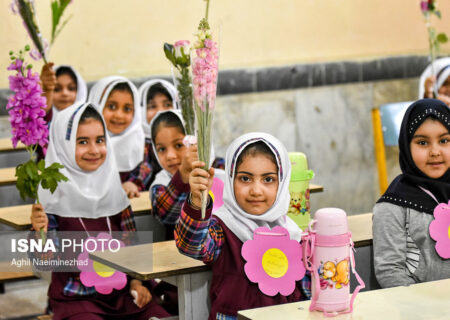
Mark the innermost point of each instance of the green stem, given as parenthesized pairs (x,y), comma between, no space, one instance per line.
(432,55)
(207,10)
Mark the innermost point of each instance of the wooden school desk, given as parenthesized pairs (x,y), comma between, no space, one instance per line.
(189,275)
(429,300)
(162,260)
(18,217)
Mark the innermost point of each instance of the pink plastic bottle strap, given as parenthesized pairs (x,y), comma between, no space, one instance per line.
(360,286)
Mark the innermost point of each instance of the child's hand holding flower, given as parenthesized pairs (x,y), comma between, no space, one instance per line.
(39,219)
(187,162)
(199,181)
(48,77)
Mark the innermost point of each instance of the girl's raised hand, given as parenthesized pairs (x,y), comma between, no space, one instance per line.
(38,217)
(143,295)
(199,180)
(186,164)
(48,77)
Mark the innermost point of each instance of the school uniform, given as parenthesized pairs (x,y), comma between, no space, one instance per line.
(217,240)
(89,202)
(404,252)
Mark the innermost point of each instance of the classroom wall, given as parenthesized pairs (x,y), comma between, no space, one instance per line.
(306,71)
(126,37)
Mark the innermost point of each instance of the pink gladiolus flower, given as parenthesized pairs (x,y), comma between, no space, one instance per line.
(26,107)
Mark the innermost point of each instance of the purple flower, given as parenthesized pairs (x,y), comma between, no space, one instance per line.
(26,107)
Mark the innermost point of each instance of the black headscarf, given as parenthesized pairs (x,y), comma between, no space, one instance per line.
(404,190)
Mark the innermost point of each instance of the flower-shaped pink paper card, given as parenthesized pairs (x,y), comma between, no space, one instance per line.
(104,278)
(274,261)
(440,229)
(216,194)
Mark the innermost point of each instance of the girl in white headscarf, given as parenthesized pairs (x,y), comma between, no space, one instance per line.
(256,194)
(171,185)
(62,86)
(118,101)
(436,84)
(92,200)
(154,95)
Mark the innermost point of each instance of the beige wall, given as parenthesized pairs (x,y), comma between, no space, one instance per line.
(125,37)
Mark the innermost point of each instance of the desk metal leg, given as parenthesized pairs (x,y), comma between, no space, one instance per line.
(193,295)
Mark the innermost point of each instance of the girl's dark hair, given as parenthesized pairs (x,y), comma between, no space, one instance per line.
(166,120)
(255,148)
(91,113)
(158,88)
(123,86)
(67,71)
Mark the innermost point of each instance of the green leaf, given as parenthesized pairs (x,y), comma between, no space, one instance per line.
(169,52)
(41,165)
(442,38)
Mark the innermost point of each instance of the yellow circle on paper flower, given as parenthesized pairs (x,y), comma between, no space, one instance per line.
(212,195)
(102,270)
(275,263)
(448,232)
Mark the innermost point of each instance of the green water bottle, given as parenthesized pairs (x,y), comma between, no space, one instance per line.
(299,189)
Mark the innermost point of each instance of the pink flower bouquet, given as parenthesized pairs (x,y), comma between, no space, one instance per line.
(204,80)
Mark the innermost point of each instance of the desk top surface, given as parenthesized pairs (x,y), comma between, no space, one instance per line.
(429,300)
(7,176)
(149,261)
(171,262)
(6,145)
(18,217)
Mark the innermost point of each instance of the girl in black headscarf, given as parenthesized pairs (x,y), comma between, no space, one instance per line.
(404,253)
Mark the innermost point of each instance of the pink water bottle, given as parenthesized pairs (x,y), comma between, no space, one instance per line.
(328,255)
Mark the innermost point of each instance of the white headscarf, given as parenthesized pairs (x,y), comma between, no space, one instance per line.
(163,177)
(143,93)
(241,223)
(86,194)
(129,145)
(81,87)
(441,71)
